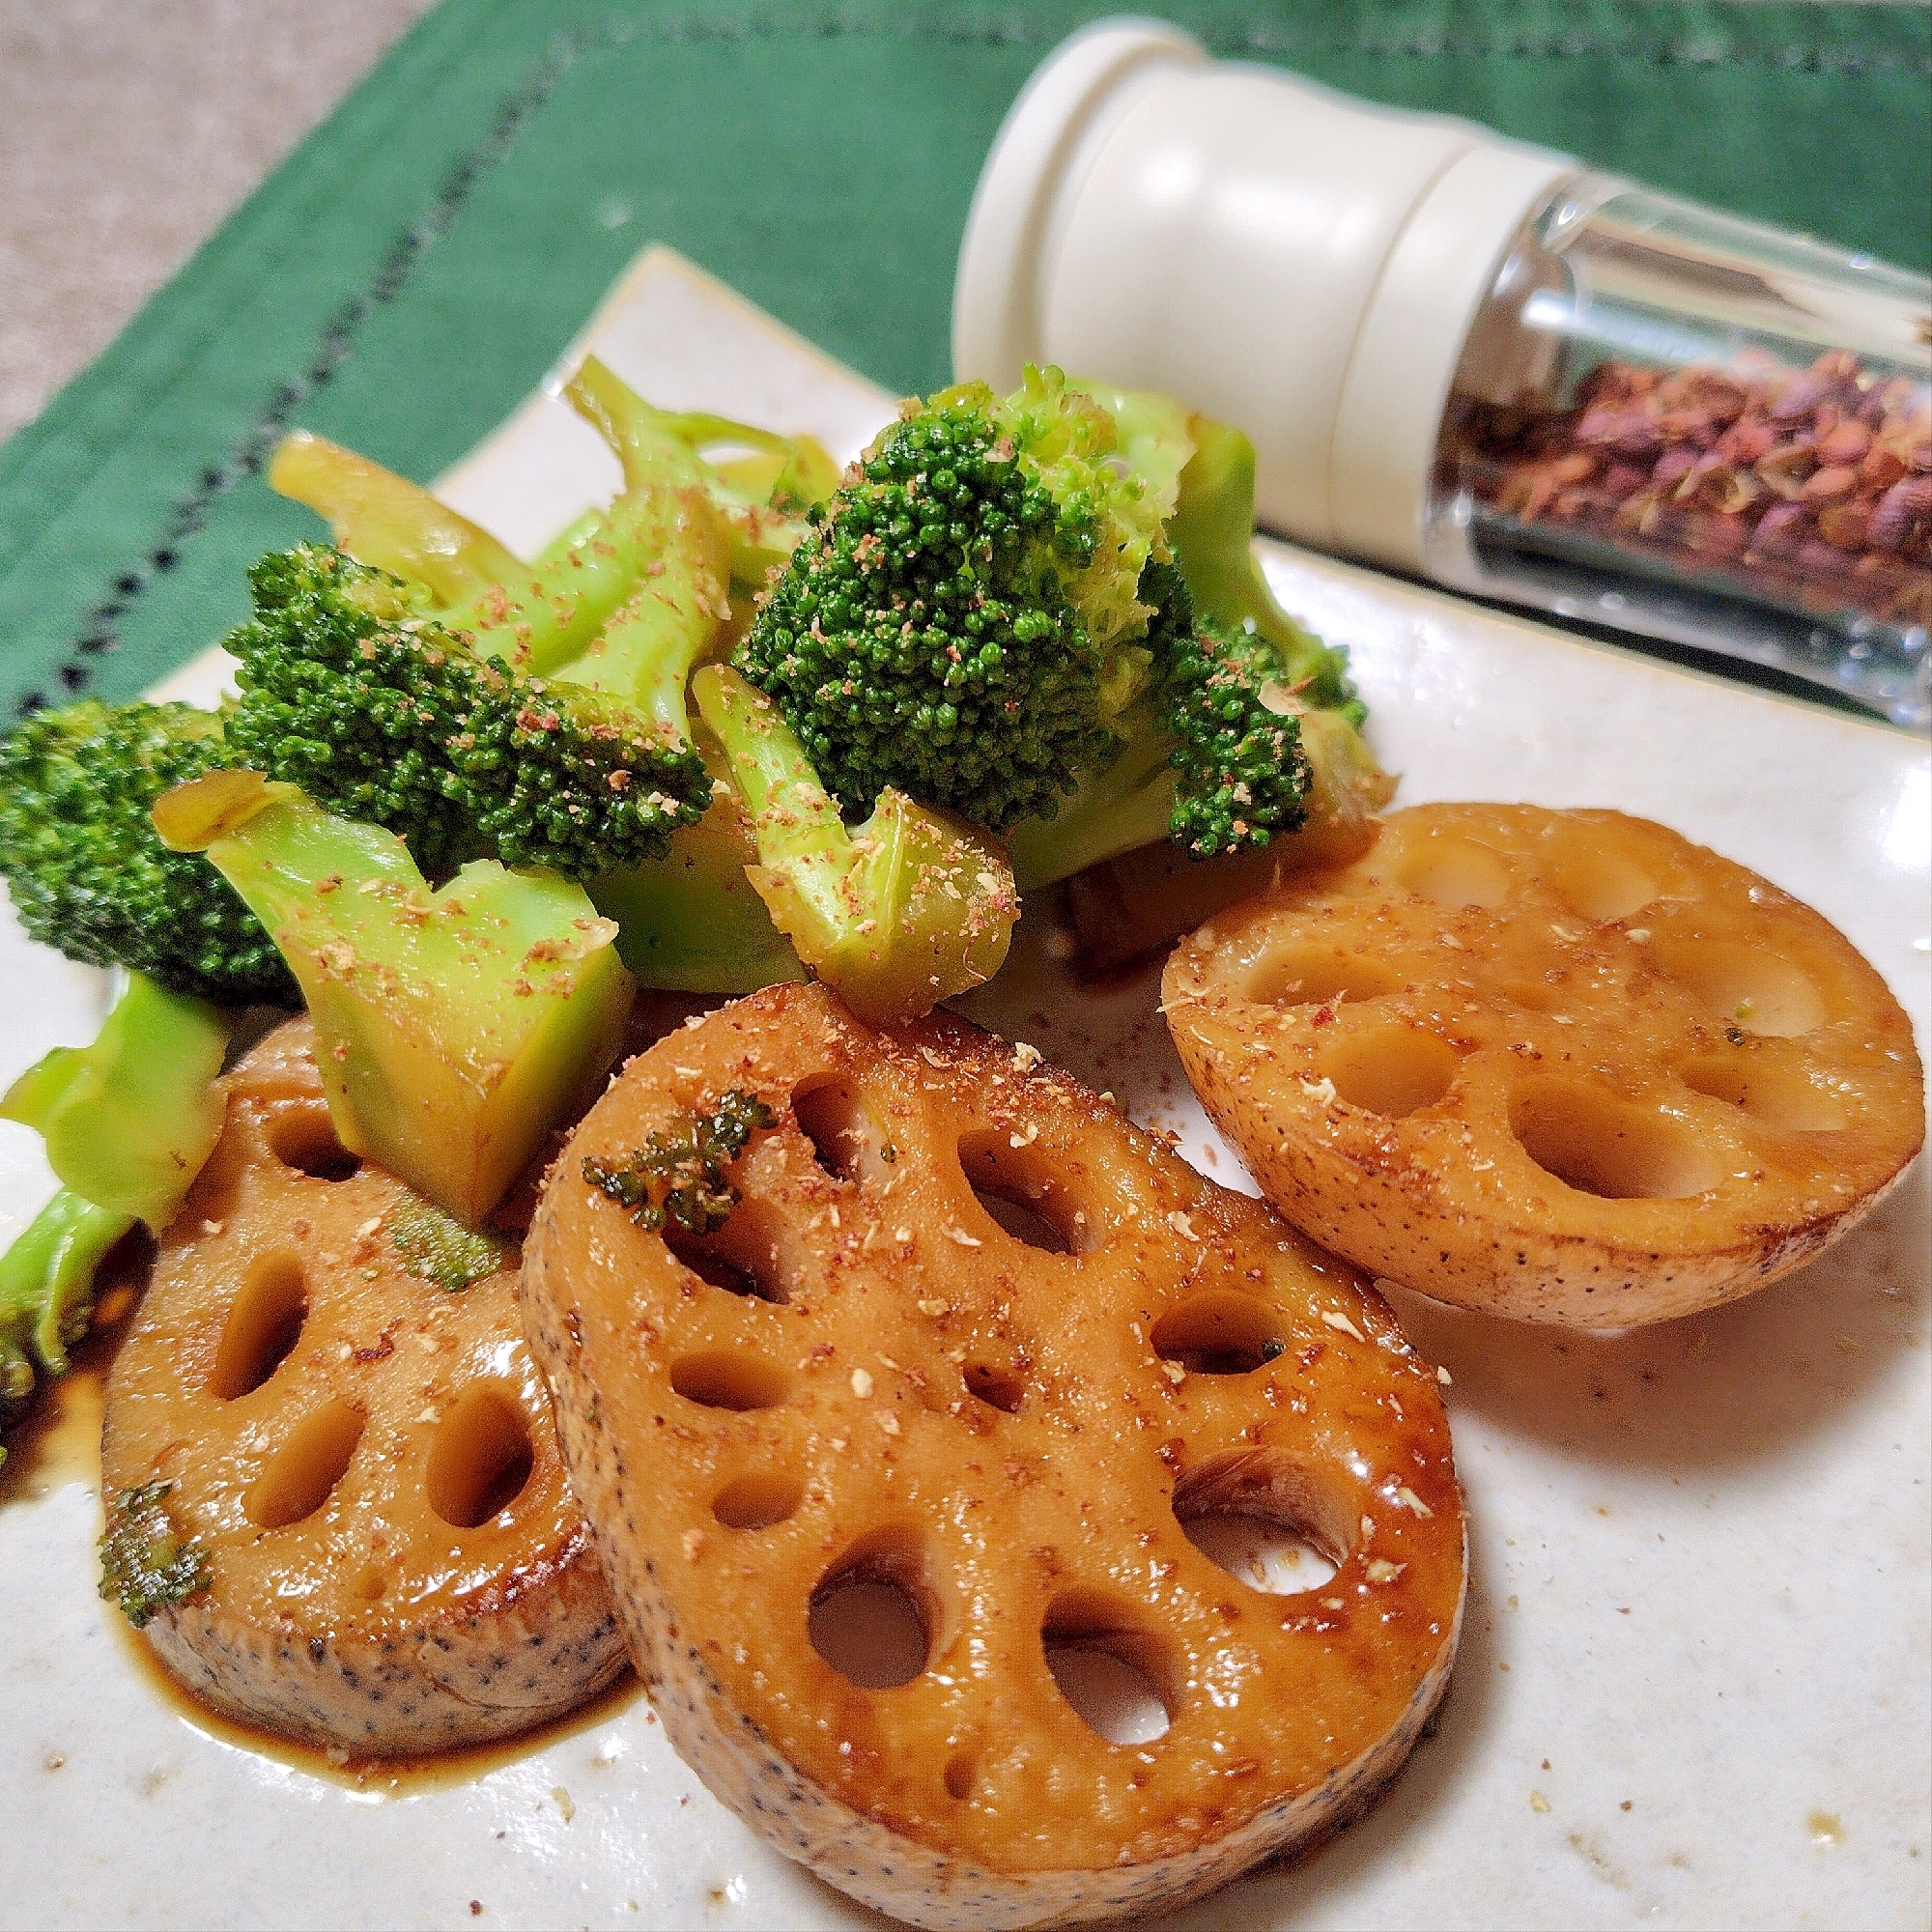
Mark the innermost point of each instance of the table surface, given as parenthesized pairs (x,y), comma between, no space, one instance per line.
(133,128)
(133,124)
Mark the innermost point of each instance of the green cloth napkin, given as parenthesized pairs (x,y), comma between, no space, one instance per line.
(407,276)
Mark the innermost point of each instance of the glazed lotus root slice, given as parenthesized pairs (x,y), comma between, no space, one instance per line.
(867,1380)
(1562,1066)
(363,1460)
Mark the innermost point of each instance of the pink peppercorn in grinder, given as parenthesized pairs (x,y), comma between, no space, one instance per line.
(1478,361)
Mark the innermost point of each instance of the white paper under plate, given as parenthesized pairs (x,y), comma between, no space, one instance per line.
(1694,1685)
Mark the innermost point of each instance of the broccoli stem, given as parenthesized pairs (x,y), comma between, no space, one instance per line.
(454,1029)
(46,1292)
(1123,804)
(646,651)
(692,921)
(382,519)
(660,449)
(129,1120)
(1213,532)
(531,616)
(896,914)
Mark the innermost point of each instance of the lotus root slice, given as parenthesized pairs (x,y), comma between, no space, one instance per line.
(1561,1066)
(367,1460)
(971,1338)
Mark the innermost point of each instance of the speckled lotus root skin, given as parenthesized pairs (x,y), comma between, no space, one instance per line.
(1563,1066)
(345,1442)
(863,1376)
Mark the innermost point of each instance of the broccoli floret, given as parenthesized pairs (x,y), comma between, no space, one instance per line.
(128,1122)
(1247,727)
(679,1176)
(145,1559)
(437,1248)
(453,1029)
(903,910)
(1047,609)
(953,627)
(88,876)
(353,690)
(1241,775)
(541,614)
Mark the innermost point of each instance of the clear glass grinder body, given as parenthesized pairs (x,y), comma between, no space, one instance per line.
(1699,428)
(1476,361)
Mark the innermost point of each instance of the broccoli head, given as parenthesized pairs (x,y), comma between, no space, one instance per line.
(145,1559)
(437,1248)
(1241,774)
(679,1176)
(1246,729)
(952,625)
(88,876)
(353,691)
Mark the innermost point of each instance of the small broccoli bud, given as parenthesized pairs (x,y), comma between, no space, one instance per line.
(88,876)
(145,1559)
(437,1248)
(678,1176)
(1242,773)
(354,690)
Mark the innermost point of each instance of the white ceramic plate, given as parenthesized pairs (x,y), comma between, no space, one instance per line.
(1693,1687)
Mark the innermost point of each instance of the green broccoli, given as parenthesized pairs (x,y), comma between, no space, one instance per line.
(437,1248)
(679,1176)
(1045,613)
(906,909)
(353,691)
(952,625)
(1247,727)
(145,1559)
(128,1123)
(85,871)
(453,1029)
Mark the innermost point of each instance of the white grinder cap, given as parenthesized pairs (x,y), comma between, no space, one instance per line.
(1281,257)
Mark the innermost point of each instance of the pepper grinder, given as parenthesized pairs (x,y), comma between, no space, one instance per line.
(1477,361)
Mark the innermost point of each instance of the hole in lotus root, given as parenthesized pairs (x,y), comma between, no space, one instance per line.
(307,1467)
(1257,1515)
(874,1611)
(758,1500)
(730,1379)
(264,1324)
(843,1129)
(304,1138)
(961,1768)
(1117,1676)
(1598,885)
(1026,1197)
(741,1256)
(1312,976)
(1219,1334)
(1776,1096)
(1591,1141)
(1391,1070)
(1744,986)
(1000,1388)
(481,1457)
(1456,873)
